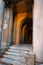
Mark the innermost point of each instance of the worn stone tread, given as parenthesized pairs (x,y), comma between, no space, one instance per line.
(21,59)
(10,61)
(18,55)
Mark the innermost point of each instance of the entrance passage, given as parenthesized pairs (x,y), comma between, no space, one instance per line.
(26,31)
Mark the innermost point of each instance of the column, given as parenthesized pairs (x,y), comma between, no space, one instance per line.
(1,15)
(38,30)
(2,4)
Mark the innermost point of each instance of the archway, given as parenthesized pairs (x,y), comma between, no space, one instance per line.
(26,31)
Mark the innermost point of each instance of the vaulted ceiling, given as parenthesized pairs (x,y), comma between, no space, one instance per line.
(17,1)
(20,5)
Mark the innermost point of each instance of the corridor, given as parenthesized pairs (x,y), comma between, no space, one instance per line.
(21,32)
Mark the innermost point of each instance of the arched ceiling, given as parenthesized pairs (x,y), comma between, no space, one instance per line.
(20,6)
(17,1)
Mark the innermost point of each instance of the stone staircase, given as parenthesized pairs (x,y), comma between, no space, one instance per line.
(17,55)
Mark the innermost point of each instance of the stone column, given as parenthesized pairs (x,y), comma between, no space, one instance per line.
(38,30)
(2,4)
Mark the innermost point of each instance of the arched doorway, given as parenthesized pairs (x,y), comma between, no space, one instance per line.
(26,31)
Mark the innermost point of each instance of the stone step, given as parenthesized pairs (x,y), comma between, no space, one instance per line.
(16,54)
(21,59)
(10,61)
(19,48)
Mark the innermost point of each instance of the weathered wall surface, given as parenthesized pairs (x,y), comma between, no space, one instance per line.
(38,30)
(2,4)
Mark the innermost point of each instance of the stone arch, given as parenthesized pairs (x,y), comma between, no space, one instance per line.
(18,19)
(26,22)
(22,34)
